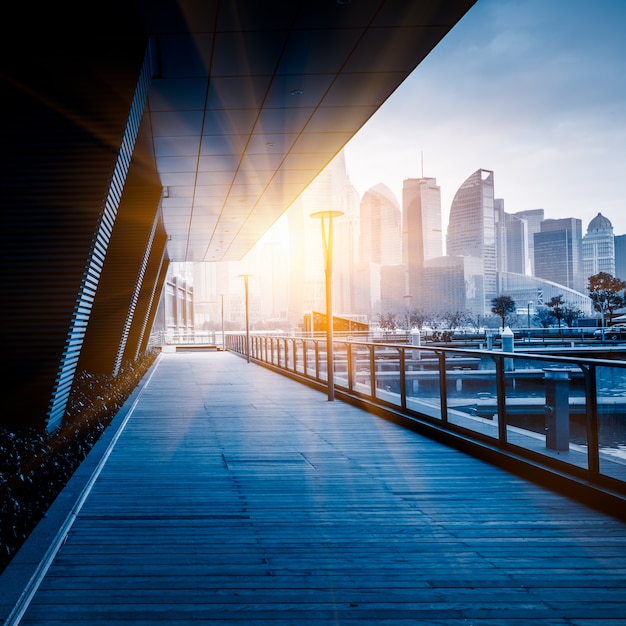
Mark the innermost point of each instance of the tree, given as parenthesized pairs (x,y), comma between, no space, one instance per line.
(543,316)
(556,304)
(387,321)
(570,314)
(475,321)
(455,319)
(604,291)
(502,306)
(418,317)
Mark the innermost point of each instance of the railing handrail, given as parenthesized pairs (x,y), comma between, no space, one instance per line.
(496,351)
(305,358)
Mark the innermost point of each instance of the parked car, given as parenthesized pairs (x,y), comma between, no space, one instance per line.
(613,333)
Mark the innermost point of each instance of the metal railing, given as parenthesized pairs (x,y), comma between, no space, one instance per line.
(565,412)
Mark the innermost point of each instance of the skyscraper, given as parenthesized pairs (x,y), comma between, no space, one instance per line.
(558,252)
(422,237)
(381,227)
(472,227)
(517,248)
(380,248)
(620,256)
(599,247)
(533,219)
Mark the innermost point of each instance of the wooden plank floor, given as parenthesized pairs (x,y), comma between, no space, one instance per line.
(236,496)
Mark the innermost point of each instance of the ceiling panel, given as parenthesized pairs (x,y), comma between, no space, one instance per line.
(250,102)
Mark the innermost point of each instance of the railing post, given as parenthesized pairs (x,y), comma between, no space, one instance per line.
(317,360)
(402,377)
(443,388)
(372,371)
(591,411)
(349,368)
(501,399)
(557,408)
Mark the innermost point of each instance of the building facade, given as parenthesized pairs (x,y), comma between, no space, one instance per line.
(422,236)
(599,247)
(558,252)
(472,228)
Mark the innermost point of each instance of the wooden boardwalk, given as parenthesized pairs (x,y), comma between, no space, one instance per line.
(228,494)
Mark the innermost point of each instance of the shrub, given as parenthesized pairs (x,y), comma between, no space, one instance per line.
(34,468)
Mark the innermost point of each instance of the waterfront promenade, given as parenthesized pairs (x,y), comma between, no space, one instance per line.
(224,493)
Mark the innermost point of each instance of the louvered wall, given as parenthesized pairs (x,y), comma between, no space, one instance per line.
(151,288)
(124,266)
(62,177)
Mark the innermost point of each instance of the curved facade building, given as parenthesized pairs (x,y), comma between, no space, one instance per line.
(531,292)
(472,226)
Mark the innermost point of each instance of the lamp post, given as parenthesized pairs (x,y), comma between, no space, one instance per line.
(245,283)
(407,299)
(530,303)
(327,243)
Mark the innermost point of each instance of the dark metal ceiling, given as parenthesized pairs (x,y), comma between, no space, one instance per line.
(252,100)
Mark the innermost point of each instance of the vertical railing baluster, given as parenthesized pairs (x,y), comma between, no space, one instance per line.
(402,377)
(591,412)
(349,369)
(443,387)
(373,371)
(501,400)
(317,360)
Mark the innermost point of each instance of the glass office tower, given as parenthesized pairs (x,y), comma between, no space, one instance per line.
(472,227)
(422,237)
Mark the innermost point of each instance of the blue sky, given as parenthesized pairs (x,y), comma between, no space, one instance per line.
(534,90)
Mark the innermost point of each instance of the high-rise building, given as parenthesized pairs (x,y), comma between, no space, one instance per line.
(533,219)
(422,237)
(392,288)
(454,283)
(472,227)
(620,256)
(599,247)
(380,248)
(380,227)
(558,252)
(500,226)
(517,248)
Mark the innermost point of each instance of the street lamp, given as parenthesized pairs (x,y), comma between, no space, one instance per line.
(530,303)
(327,243)
(407,299)
(245,283)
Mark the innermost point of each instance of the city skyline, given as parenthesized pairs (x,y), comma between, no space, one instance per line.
(528,89)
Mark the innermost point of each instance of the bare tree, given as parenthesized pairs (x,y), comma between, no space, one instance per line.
(456,319)
(387,321)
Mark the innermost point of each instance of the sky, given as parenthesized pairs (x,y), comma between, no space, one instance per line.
(534,90)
